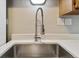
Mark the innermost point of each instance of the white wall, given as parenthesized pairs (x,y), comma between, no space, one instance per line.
(2,22)
(22,18)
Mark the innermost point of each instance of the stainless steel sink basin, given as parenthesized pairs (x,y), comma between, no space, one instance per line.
(37,51)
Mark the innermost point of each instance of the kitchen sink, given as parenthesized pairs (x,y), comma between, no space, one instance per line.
(37,51)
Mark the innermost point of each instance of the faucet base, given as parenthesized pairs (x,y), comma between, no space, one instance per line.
(37,38)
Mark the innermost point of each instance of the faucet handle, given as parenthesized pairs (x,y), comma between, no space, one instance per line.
(38,37)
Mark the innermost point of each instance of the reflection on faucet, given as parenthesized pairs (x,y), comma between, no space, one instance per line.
(42,25)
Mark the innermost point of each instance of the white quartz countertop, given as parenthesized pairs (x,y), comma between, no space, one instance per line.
(72,46)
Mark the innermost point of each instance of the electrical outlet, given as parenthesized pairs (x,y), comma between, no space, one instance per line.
(60,21)
(68,21)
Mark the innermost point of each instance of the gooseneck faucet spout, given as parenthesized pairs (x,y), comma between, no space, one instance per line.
(42,25)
